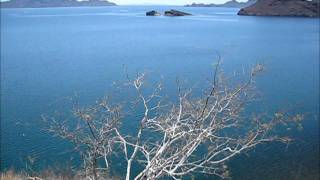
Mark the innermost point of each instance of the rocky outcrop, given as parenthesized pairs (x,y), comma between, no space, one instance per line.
(303,8)
(153,13)
(53,3)
(232,4)
(173,12)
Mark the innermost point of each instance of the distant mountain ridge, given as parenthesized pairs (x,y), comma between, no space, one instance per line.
(232,3)
(53,3)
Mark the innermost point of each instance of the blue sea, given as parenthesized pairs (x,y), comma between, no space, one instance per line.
(49,54)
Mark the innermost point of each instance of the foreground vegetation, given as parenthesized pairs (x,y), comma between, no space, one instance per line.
(196,135)
(171,140)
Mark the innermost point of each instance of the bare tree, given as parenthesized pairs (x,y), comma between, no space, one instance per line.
(195,135)
(93,132)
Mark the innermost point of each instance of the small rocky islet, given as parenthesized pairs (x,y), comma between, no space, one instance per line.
(153,13)
(171,12)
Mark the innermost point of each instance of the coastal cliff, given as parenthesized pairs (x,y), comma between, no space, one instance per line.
(56,3)
(303,8)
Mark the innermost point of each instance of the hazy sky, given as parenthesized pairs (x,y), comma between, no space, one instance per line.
(171,2)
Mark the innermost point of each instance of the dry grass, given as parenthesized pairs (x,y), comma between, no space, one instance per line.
(11,175)
(45,175)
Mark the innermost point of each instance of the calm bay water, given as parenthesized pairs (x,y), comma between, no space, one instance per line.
(48,54)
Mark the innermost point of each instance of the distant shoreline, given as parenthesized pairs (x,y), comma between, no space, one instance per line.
(178,6)
(228,4)
(54,4)
(55,7)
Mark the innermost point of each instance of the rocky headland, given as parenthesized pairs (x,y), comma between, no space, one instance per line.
(299,8)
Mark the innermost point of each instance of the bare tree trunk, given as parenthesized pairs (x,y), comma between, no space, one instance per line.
(128,170)
(94,167)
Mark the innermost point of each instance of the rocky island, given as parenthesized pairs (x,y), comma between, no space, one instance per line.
(232,4)
(173,12)
(302,8)
(153,13)
(55,3)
